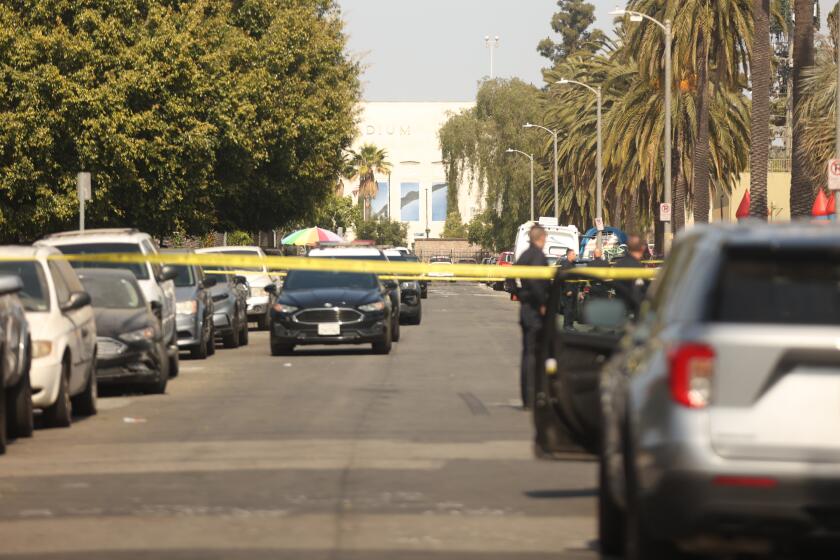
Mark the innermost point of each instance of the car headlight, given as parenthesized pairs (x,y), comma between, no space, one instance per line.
(283,308)
(139,335)
(406,285)
(41,348)
(371,307)
(186,307)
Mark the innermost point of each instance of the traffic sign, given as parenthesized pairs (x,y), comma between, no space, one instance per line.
(834,175)
(599,224)
(83,186)
(664,212)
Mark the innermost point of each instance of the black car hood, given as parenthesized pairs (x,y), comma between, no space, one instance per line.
(329,297)
(114,322)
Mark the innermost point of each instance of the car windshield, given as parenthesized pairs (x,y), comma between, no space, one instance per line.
(316,279)
(778,287)
(35,295)
(141,271)
(247,254)
(108,292)
(186,276)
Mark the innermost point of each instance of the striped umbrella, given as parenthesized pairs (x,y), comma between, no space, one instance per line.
(311,236)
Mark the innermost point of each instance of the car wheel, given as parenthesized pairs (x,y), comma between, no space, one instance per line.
(174,359)
(395,331)
(158,387)
(85,403)
(243,335)
(262,323)
(200,350)
(419,318)
(424,294)
(383,346)
(19,419)
(610,517)
(231,340)
(60,413)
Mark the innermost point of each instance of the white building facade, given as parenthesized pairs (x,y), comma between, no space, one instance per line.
(415,192)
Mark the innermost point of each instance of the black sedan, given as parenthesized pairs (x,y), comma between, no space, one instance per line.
(130,344)
(317,307)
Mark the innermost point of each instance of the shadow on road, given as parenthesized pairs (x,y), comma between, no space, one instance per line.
(562,494)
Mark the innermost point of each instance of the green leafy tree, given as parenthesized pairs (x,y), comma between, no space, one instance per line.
(383,231)
(337,212)
(454,227)
(240,238)
(572,22)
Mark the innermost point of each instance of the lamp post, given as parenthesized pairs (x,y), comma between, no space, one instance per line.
(492,43)
(599,190)
(530,157)
(666,28)
(554,134)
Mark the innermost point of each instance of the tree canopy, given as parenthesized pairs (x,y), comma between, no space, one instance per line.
(190,115)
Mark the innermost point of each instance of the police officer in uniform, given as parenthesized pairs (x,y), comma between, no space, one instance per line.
(571,290)
(533,295)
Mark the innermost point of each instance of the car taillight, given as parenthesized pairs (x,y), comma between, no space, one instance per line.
(692,371)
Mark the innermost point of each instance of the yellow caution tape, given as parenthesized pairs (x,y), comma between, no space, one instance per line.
(461,272)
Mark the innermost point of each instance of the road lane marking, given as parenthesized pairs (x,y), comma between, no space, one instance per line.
(213,456)
(441,533)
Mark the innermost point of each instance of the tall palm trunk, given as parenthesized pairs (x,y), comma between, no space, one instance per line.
(760,125)
(700,161)
(801,188)
(680,187)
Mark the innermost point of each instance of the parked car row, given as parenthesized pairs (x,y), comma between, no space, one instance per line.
(711,402)
(69,326)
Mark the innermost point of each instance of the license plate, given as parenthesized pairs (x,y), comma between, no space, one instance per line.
(329,329)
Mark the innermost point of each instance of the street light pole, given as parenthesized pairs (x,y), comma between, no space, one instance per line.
(667,29)
(554,134)
(599,189)
(492,43)
(530,157)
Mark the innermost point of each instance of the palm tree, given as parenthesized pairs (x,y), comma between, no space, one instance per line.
(801,187)
(366,163)
(760,75)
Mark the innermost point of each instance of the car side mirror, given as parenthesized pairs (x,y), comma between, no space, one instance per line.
(77,300)
(270,289)
(167,273)
(240,280)
(208,283)
(605,313)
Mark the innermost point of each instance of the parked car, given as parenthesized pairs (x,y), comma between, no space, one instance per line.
(467,261)
(715,413)
(411,307)
(63,333)
(194,310)
(132,349)
(369,254)
(15,359)
(504,259)
(155,280)
(440,259)
(258,277)
(317,307)
(229,294)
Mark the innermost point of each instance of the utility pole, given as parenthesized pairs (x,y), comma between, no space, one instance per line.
(492,43)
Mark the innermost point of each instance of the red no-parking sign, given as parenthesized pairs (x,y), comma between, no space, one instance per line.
(834,175)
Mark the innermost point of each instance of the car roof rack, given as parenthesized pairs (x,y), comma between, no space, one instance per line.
(102,231)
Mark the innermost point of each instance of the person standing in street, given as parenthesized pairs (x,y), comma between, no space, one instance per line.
(633,259)
(571,290)
(533,296)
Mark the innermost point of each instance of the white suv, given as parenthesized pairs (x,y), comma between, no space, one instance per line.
(63,332)
(258,278)
(155,280)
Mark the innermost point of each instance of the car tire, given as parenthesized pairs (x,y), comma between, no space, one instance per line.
(262,323)
(231,340)
(278,349)
(395,331)
(158,387)
(200,350)
(384,345)
(424,294)
(60,413)
(418,318)
(211,342)
(243,335)
(85,403)
(20,421)
(610,517)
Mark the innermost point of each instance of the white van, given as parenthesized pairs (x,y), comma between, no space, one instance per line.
(558,238)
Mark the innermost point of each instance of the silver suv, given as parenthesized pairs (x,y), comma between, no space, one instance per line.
(716,415)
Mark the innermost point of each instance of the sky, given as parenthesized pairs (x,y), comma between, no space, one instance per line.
(434,50)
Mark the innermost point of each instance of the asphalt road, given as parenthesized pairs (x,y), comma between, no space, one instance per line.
(328,454)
